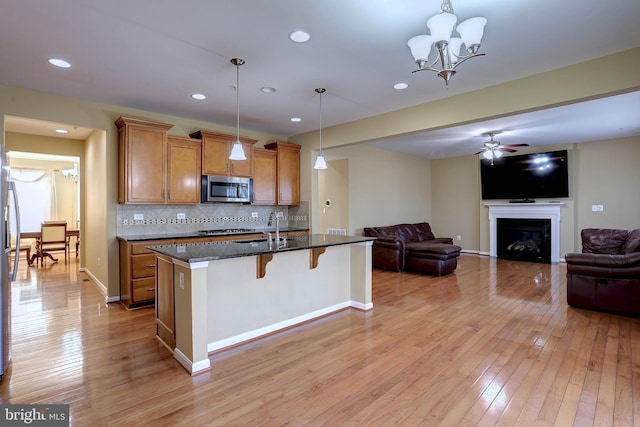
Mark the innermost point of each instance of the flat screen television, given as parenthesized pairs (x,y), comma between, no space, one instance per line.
(525,177)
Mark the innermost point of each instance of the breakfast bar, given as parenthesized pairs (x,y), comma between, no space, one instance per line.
(214,295)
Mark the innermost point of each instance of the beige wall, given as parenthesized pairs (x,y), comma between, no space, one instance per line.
(607,173)
(384,187)
(333,185)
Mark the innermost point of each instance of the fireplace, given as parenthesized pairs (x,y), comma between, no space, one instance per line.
(526,211)
(524,239)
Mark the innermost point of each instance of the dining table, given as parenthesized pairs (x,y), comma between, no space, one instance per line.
(71,232)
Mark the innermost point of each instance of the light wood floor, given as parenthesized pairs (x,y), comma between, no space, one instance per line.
(492,344)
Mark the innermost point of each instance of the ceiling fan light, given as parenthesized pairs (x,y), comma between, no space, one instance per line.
(237,153)
(441,26)
(472,30)
(497,154)
(320,162)
(420,47)
(487,154)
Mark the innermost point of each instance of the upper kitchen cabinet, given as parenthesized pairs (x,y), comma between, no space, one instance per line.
(183,170)
(142,160)
(216,148)
(288,172)
(265,172)
(154,168)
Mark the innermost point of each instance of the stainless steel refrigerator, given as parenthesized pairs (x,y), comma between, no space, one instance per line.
(8,201)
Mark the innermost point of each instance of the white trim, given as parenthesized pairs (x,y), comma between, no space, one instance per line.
(228,342)
(191,265)
(549,211)
(192,368)
(361,306)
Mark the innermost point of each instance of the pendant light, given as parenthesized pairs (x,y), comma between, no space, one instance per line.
(320,163)
(237,153)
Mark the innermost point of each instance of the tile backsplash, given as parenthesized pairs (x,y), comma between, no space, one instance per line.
(157,219)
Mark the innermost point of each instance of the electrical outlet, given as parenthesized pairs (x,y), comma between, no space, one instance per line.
(181,280)
(254,214)
(138,217)
(280,215)
(182,216)
(458,237)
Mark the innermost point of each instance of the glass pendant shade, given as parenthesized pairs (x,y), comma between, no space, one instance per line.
(497,154)
(472,30)
(320,162)
(487,155)
(237,152)
(420,47)
(441,26)
(454,49)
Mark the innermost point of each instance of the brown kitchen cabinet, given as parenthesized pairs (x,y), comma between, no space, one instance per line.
(288,172)
(165,306)
(142,160)
(183,170)
(216,148)
(264,176)
(137,273)
(155,168)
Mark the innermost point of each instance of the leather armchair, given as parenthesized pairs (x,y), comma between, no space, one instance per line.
(606,275)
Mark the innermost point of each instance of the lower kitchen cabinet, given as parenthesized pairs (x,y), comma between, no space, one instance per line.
(137,273)
(165,308)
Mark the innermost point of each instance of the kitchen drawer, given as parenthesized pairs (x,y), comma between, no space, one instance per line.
(141,248)
(143,266)
(144,289)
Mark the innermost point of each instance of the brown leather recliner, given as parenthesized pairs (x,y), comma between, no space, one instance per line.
(414,247)
(606,275)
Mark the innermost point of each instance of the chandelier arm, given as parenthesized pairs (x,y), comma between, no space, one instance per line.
(461,59)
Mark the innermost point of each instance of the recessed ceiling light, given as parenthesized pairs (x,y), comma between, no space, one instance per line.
(296,119)
(400,86)
(199,96)
(62,131)
(299,36)
(268,89)
(59,63)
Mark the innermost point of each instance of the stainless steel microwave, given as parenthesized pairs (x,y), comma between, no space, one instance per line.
(226,189)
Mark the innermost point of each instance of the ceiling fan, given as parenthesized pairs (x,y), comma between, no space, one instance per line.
(495,149)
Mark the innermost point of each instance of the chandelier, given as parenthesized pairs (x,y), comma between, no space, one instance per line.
(447,48)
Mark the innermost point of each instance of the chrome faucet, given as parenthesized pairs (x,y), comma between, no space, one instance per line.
(273,215)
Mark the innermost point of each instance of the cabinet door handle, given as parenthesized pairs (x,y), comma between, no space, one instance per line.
(151,289)
(150,265)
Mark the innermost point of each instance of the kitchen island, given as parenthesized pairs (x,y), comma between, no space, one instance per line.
(214,295)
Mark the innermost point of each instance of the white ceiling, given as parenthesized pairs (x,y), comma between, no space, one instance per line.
(153,54)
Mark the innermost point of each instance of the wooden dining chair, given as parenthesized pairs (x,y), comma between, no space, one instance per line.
(53,238)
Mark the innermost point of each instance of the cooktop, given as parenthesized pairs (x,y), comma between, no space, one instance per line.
(224,231)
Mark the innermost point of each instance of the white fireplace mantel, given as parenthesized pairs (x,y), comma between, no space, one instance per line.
(549,211)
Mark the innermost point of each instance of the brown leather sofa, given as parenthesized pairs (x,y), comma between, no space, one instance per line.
(412,247)
(606,275)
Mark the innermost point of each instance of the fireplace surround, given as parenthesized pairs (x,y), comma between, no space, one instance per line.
(549,211)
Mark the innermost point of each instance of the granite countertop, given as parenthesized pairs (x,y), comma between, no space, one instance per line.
(208,251)
(194,234)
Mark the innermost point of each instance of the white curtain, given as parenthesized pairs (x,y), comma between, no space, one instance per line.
(36,191)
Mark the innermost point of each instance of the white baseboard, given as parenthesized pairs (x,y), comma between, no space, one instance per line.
(192,368)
